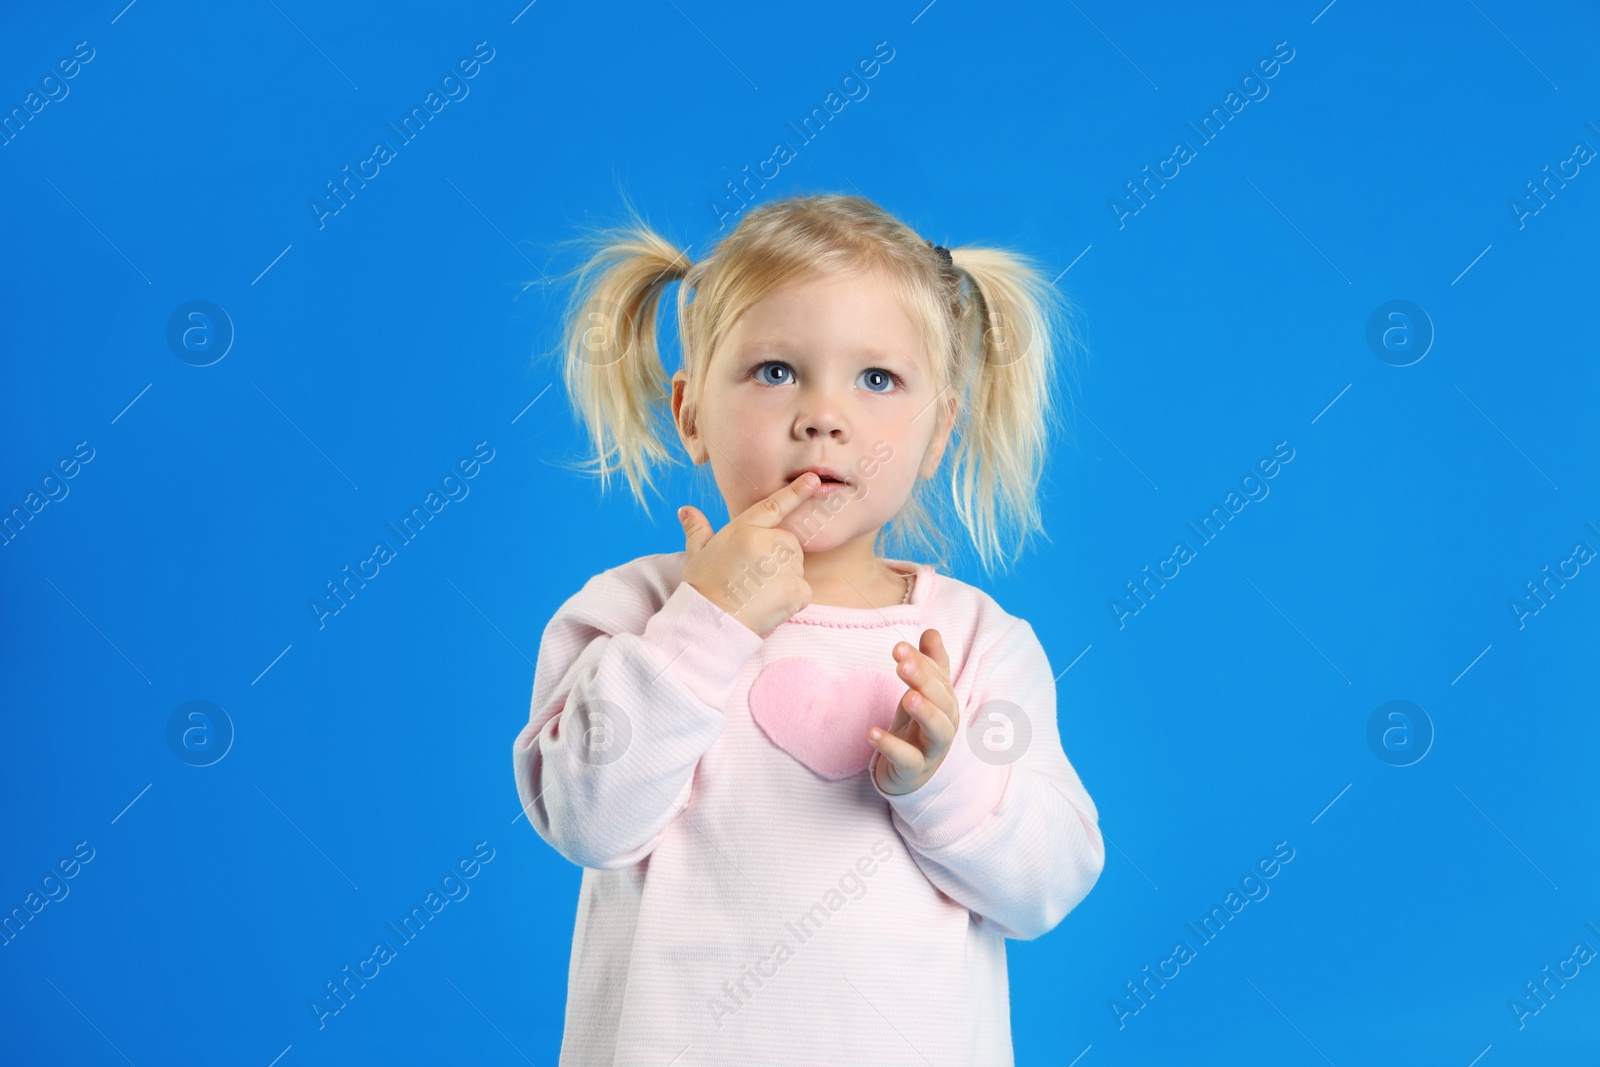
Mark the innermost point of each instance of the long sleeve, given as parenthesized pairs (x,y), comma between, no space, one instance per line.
(1018,843)
(625,702)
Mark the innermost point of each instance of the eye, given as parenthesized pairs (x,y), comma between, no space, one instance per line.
(760,373)
(876,376)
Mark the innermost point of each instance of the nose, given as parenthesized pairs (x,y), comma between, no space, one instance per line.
(821,415)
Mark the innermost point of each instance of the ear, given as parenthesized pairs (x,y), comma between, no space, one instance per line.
(683,418)
(941,437)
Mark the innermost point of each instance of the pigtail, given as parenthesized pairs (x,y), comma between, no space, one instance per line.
(1016,336)
(612,363)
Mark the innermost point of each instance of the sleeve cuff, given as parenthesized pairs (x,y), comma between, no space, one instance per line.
(962,792)
(700,644)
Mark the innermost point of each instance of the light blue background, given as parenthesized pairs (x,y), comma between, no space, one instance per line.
(1228,315)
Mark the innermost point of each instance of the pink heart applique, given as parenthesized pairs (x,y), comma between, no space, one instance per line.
(820,720)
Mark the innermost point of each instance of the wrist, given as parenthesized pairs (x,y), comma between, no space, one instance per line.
(719,600)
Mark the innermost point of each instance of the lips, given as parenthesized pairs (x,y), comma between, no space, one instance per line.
(827,474)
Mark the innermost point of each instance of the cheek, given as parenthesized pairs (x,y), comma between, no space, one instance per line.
(910,444)
(726,424)
(742,418)
(890,484)
(901,476)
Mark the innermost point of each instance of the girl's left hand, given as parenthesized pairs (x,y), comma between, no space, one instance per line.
(925,722)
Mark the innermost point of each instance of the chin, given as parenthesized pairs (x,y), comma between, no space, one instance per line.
(821,540)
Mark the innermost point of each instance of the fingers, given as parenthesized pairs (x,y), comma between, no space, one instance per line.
(907,758)
(937,724)
(929,703)
(775,508)
(916,750)
(696,528)
(932,648)
(928,675)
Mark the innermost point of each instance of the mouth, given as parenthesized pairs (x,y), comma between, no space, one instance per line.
(828,475)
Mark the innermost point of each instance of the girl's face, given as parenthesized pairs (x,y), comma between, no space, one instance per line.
(824,372)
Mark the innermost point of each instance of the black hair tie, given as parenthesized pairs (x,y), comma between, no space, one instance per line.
(944,253)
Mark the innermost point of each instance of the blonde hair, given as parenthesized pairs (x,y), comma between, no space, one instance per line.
(995,329)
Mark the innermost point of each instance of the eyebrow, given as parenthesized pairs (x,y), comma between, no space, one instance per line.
(767,346)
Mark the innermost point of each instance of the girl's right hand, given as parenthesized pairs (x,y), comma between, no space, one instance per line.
(750,568)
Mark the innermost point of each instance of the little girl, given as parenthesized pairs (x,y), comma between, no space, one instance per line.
(812,788)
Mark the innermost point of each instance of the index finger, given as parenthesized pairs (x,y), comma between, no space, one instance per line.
(775,508)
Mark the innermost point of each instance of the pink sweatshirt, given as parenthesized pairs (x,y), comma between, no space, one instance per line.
(749,895)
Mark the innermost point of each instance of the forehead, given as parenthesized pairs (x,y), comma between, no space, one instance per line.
(859,312)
